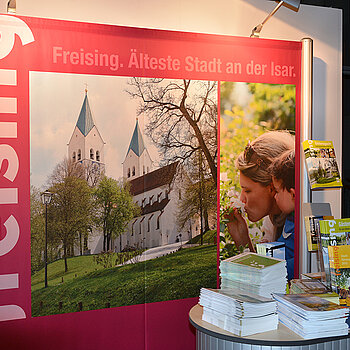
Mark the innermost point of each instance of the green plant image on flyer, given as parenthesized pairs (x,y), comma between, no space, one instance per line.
(247,111)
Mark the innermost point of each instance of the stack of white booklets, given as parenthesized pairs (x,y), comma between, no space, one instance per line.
(253,273)
(311,316)
(239,313)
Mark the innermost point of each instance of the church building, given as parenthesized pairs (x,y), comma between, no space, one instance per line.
(156,191)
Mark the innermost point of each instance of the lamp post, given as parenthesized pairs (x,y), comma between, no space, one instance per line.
(46,199)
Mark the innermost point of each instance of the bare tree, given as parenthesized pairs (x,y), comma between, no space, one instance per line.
(93,173)
(89,171)
(182,117)
(199,197)
(66,168)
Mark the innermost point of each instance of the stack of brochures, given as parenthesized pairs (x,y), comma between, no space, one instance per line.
(310,316)
(314,287)
(253,273)
(239,313)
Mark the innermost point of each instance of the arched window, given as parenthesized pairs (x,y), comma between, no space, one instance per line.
(79,154)
(158,221)
(147,170)
(128,172)
(149,223)
(98,156)
(141,224)
(74,157)
(92,154)
(144,170)
(132,228)
(133,171)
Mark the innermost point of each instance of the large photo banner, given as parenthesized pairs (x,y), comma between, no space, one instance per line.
(124,155)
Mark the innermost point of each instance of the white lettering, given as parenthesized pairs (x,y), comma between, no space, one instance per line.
(8,130)
(8,196)
(331,223)
(12,236)
(7,152)
(9,26)
(9,281)
(11,312)
(8,105)
(8,77)
(81,57)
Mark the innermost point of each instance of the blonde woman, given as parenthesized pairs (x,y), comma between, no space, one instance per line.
(258,193)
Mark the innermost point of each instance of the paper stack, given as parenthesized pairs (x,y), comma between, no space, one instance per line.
(311,316)
(239,313)
(253,273)
(314,287)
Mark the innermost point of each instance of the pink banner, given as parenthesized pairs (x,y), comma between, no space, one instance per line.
(45,45)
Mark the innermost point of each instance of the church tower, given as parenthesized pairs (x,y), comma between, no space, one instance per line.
(86,144)
(137,161)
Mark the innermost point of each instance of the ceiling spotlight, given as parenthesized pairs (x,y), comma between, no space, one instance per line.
(11,7)
(291,4)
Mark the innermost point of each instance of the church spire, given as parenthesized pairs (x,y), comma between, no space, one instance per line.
(85,122)
(136,143)
(137,160)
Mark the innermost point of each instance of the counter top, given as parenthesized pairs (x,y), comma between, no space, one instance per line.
(283,336)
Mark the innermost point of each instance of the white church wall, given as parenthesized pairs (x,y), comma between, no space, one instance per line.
(95,242)
(76,143)
(131,160)
(169,218)
(145,163)
(146,233)
(142,164)
(94,141)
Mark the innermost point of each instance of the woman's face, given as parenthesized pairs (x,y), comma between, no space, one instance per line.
(259,200)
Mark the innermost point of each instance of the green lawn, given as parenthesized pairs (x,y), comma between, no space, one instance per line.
(209,237)
(78,266)
(175,276)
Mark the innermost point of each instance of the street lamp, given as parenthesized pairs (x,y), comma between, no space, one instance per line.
(46,199)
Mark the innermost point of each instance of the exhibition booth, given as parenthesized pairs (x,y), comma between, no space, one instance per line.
(121,125)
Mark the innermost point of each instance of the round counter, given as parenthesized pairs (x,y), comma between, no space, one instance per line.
(210,337)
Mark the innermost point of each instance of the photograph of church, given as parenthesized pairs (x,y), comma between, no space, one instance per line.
(156,191)
(132,182)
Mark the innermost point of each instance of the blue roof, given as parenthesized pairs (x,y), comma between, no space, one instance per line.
(85,122)
(136,143)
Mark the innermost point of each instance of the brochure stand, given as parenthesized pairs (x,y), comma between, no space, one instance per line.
(209,337)
(315,209)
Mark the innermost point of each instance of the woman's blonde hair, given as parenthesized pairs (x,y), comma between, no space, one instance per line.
(258,155)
